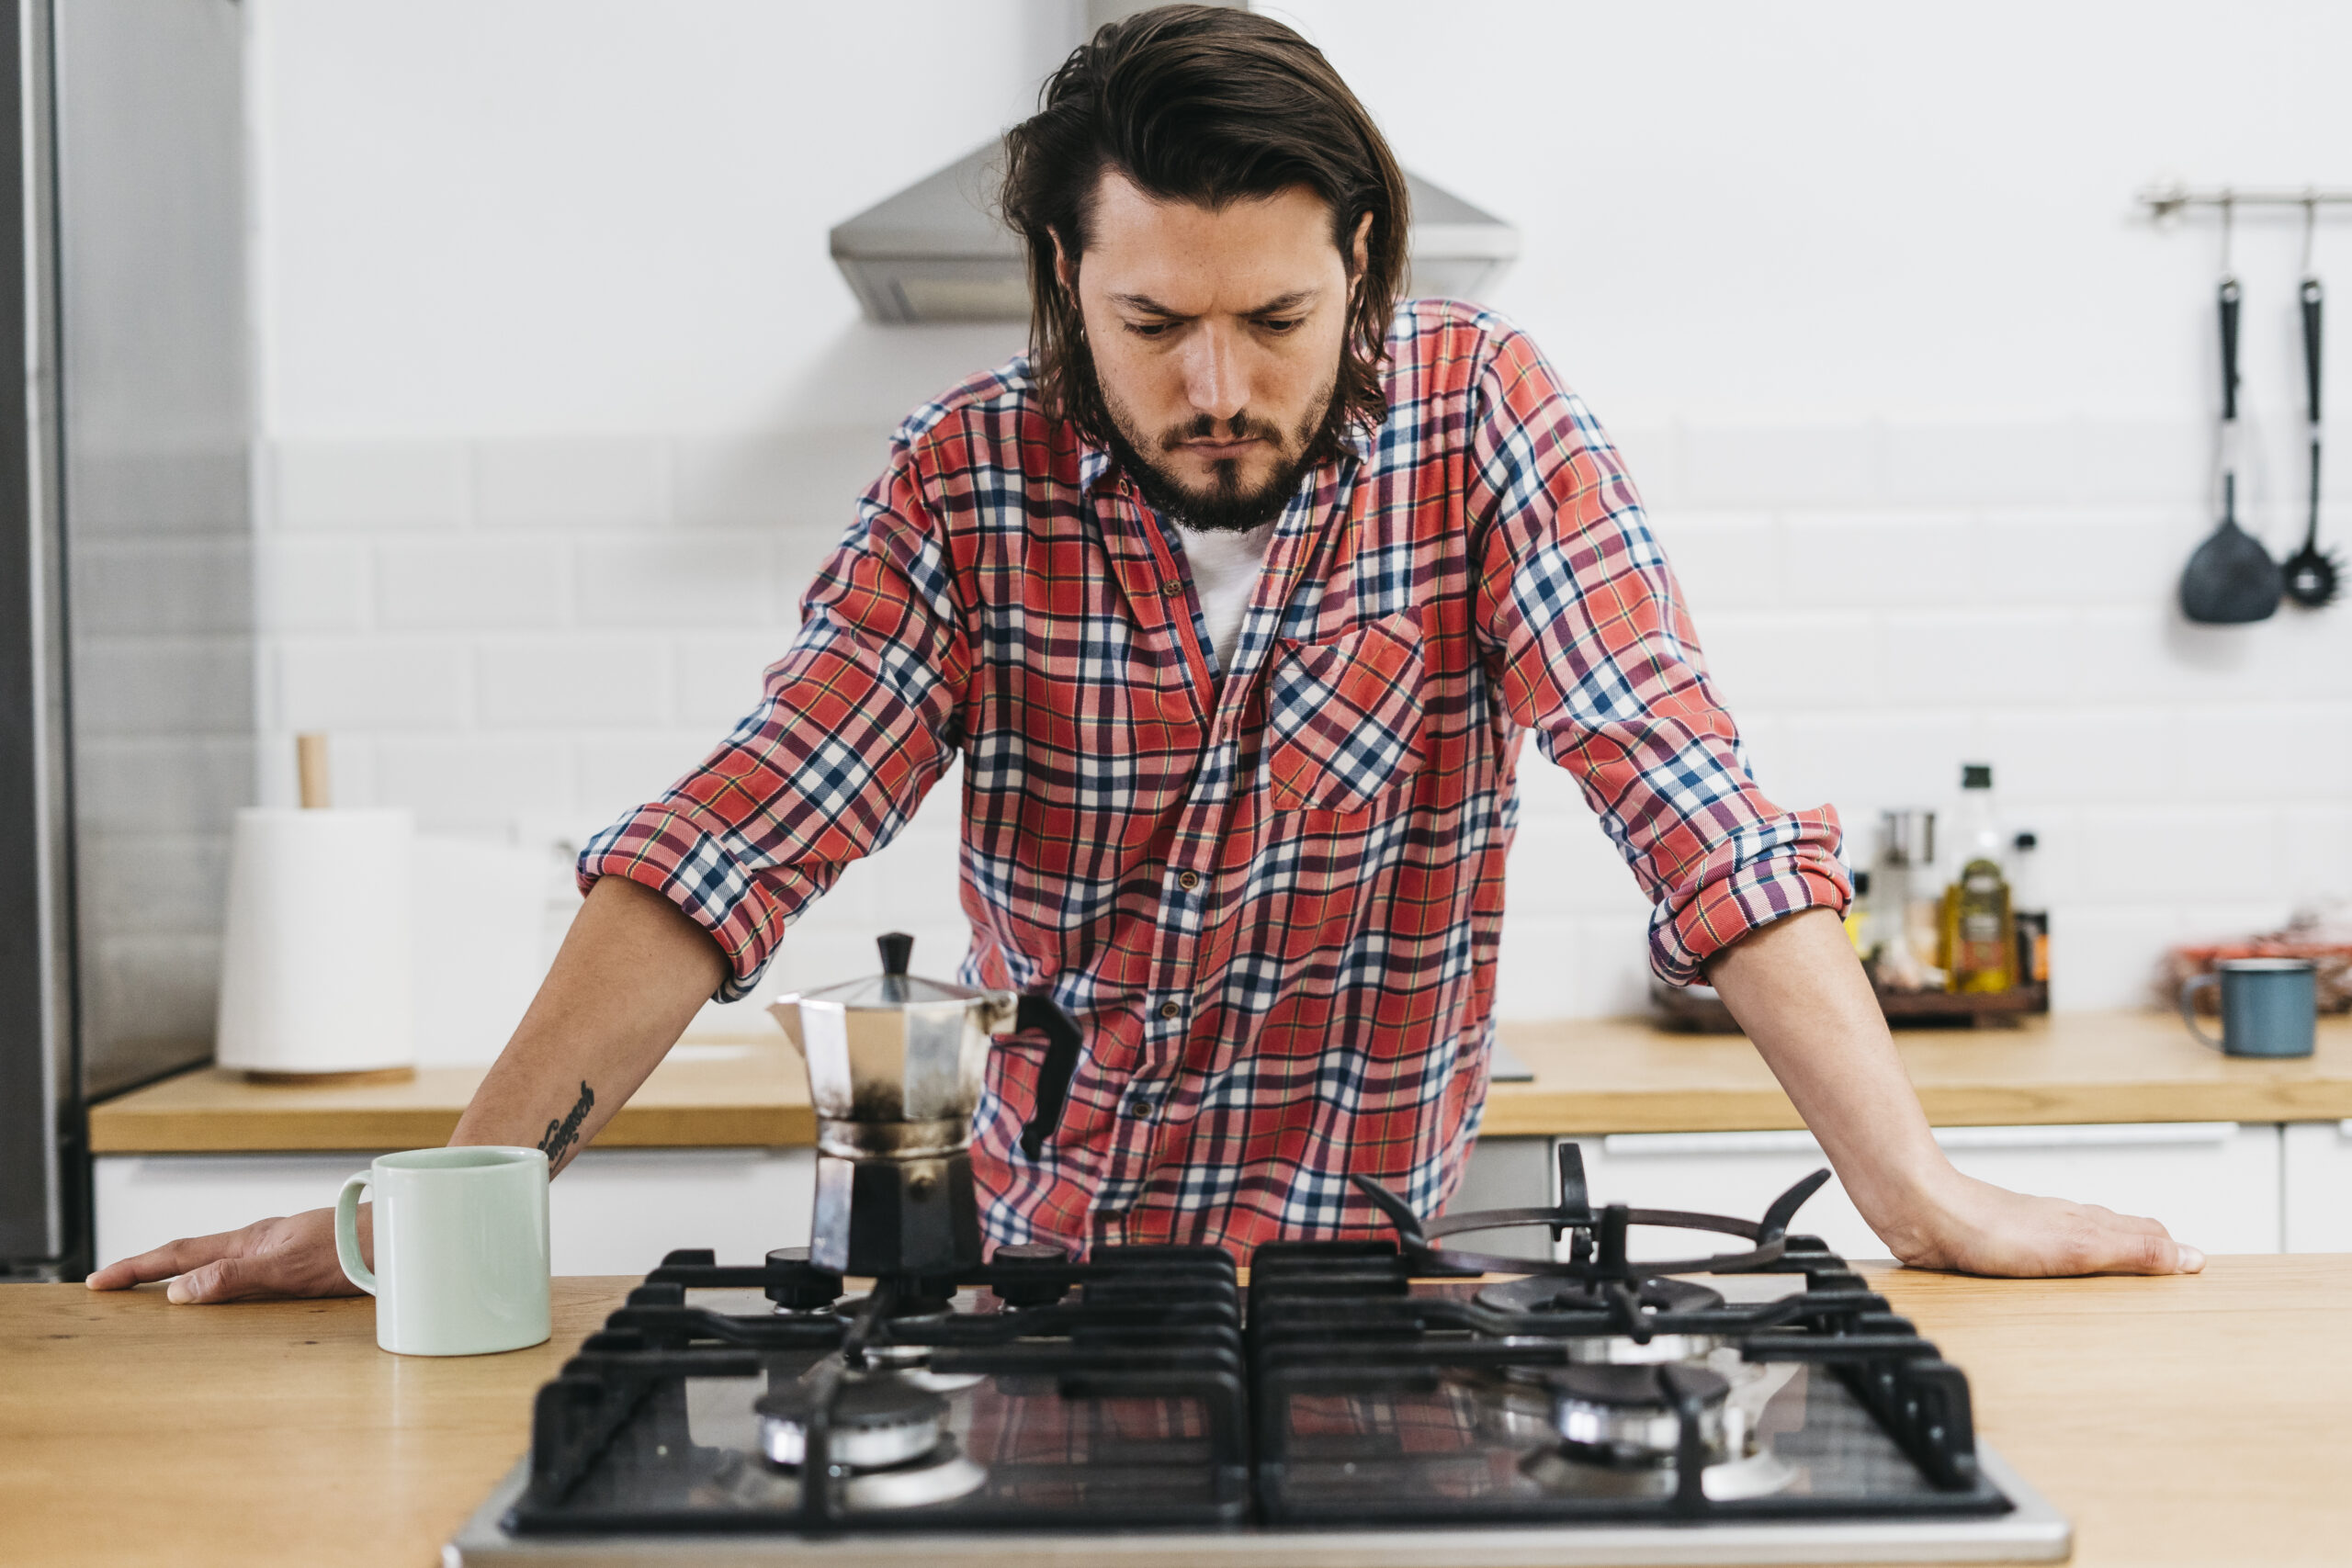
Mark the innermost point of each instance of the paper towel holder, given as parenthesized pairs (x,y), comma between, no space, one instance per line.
(270,1036)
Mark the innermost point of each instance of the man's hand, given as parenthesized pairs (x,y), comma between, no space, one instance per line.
(1974,1227)
(289,1257)
(1799,992)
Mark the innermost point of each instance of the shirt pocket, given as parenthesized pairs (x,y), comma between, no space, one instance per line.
(1344,718)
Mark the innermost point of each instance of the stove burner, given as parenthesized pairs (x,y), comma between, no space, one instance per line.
(1543,1293)
(1625,1415)
(877,1421)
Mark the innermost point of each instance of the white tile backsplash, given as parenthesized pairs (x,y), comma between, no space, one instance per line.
(1724,560)
(2178,853)
(579,681)
(1879,558)
(369,484)
(618,771)
(477,780)
(803,480)
(1824,465)
(305,583)
(475,582)
(1988,656)
(719,674)
(690,582)
(609,483)
(1773,660)
(505,635)
(375,683)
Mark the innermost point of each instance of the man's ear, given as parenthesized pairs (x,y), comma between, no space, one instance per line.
(1360,253)
(1065,270)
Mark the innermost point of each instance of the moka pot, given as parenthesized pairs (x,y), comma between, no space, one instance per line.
(895,1069)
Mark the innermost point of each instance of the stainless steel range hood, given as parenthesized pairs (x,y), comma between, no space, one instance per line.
(937,251)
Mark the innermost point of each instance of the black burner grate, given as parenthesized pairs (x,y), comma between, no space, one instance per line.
(1368,1382)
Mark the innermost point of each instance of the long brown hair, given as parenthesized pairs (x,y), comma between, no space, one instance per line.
(1206,105)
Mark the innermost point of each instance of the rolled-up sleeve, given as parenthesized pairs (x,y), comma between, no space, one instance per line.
(857,721)
(1586,638)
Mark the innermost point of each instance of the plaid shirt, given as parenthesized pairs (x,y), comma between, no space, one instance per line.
(1270,900)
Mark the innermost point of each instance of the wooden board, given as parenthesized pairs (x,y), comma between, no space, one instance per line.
(1591,1076)
(2183,1421)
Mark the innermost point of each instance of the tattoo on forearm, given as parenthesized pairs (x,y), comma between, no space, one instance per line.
(561,1135)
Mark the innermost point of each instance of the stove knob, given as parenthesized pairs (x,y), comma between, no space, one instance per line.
(1029,1274)
(798,1285)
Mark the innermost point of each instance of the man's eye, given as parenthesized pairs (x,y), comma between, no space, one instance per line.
(1280,324)
(1148,329)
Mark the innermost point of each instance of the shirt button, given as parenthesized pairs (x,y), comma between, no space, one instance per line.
(1171,1009)
(1189,880)
(1172,587)
(1142,1106)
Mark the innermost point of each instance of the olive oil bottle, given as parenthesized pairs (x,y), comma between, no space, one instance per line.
(1978,936)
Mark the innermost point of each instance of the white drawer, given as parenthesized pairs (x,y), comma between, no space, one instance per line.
(2319,1187)
(612,1210)
(2213,1184)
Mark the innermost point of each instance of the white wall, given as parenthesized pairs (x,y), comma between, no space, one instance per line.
(564,400)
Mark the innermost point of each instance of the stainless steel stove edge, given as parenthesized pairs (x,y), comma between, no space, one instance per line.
(2035,1533)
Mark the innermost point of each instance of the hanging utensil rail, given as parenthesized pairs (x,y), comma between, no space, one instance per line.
(2168,202)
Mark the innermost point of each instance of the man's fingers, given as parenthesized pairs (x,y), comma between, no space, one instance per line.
(2143,1246)
(228,1279)
(162,1262)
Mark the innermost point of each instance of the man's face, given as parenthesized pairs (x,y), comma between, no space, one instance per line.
(1216,337)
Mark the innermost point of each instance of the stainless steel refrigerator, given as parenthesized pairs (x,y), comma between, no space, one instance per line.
(126,646)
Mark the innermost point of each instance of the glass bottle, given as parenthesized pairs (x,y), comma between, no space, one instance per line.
(1903,905)
(2033,911)
(1978,934)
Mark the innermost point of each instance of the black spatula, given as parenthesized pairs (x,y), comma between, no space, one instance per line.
(2312,574)
(2231,580)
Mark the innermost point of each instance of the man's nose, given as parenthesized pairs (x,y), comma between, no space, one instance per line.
(1214,383)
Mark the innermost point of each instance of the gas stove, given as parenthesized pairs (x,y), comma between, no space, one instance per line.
(1399,1401)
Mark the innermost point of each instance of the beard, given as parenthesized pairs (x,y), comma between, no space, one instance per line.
(1225,507)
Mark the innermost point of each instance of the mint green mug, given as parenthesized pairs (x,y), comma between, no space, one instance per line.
(461,1249)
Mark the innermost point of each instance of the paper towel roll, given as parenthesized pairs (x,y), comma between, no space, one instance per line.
(315,971)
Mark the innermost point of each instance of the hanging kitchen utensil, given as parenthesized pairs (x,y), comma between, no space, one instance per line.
(2311,575)
(2231,579)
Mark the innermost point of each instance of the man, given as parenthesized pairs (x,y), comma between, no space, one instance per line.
(1235,601)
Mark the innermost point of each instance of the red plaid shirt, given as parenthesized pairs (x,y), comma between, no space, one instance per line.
(1270,901)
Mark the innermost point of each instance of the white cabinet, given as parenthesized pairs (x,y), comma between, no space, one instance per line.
(2319,1187)
(611,1212)
(2214,1184)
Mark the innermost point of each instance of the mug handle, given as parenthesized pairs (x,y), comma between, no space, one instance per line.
(2188,989)
(347,1232)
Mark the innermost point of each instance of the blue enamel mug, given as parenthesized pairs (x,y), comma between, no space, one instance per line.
(2269,1005)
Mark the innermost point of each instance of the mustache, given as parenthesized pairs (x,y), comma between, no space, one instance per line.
(1242,427)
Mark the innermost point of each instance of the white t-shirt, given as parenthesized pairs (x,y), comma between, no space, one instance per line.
(1225,573)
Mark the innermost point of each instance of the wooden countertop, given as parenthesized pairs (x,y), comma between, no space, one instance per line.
(1620,1076)
(2197,1420)
(1591,1076)
(703,1095)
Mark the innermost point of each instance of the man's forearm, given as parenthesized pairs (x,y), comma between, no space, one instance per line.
(629,977)
(1800,994)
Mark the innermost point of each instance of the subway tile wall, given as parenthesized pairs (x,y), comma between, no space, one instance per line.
(522,638)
